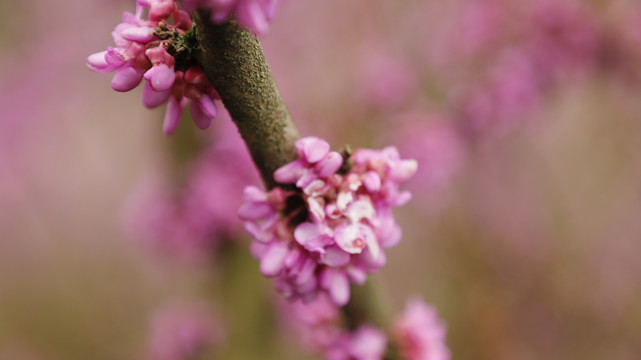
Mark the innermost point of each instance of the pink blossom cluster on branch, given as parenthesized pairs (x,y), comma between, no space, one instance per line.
(157,49)
(252,14)
(419,332)
(330,230)
(416,334)
(317,325)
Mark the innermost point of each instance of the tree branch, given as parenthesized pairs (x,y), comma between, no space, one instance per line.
(234,63)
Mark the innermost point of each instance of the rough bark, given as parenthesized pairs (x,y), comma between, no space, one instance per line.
(235,64)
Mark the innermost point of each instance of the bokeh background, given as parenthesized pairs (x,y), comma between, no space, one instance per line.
(524,229)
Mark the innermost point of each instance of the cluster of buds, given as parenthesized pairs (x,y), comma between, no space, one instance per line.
(157,49)
(252,14)
(332,228)
(416,334)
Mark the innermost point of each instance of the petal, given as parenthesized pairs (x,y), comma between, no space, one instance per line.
(359,210)
(335,257)
(316,210)
(182,20)
(208,107)
(343,199)
(126,78)
(311,149)
(172,116)
(161,77)
(337,285)
(370,239)
(253,193)
(403,170)
(97,63)
(200,119)
(255,211)
(152,98)
(306,272)
(372,181)
(138,34)
(251,15)
(115,57)
(329,165)
(349,238)
(357,275)
(402,198)
(290,173)
(305,232)
(257,249)
(273,259)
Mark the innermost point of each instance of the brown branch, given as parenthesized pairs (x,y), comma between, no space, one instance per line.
(234,63)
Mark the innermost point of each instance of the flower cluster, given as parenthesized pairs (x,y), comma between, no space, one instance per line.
(317,323)
(419,333)
(331,229)
(149,49)
(252,14)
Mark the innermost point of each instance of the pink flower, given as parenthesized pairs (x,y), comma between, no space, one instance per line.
(331,230)
(144,52)
(420,333)
(367,343)
(318,324)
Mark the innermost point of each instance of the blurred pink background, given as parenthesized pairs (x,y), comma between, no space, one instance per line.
(525,117)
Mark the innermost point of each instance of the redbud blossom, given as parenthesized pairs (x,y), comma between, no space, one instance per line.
(147,49)
(331,230)
(420,333)
(318,325)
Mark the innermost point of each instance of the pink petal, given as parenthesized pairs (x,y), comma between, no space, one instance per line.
(337,285)
(403,170)
(305,232)
(306,272)
(273,259)
(161,77)
(311,149)
(182,20)
(402,198)
(349,238)
(290,173)
(115,57)
(253,193)
(255,211)
(372,181)
(127,78)
(200,119)
(335,257)
(208,107)
(329,165)
(152,98)
(138,34)
(250,15)
(172,116)
(357,275)
(97,63)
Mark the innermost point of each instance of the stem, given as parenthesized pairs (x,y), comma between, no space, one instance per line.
(234,63)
